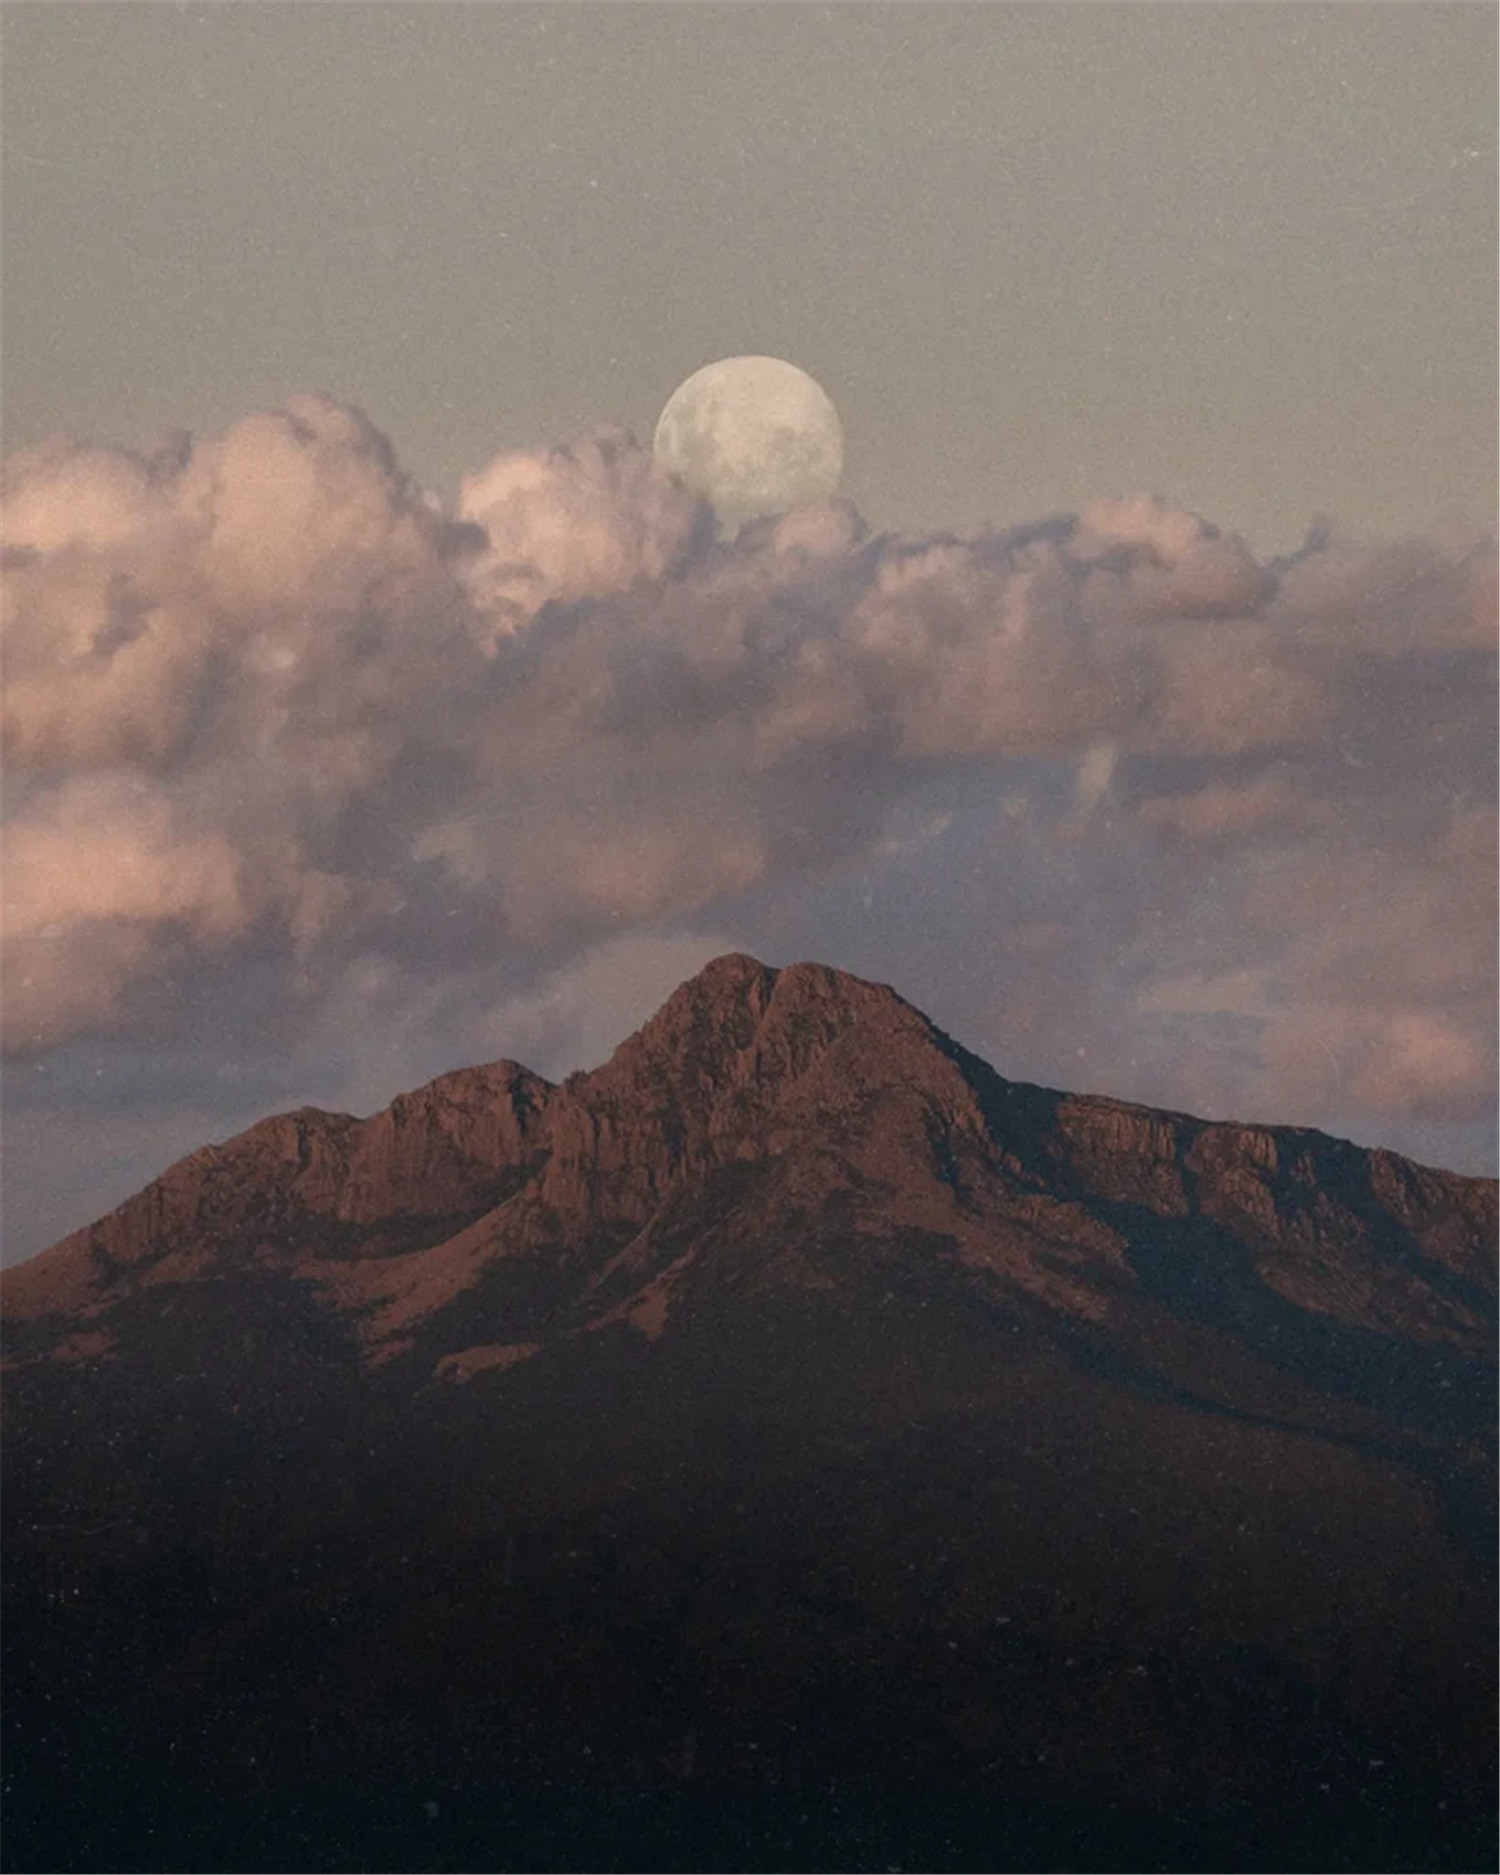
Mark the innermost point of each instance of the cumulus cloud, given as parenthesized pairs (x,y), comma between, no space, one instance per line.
(273,716)
(1166,563)
(571,523)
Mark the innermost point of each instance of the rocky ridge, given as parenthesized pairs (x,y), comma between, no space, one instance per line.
(824,1089)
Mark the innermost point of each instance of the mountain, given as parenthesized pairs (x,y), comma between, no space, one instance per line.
(790,1445)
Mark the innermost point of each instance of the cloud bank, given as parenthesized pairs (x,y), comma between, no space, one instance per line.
(300,765)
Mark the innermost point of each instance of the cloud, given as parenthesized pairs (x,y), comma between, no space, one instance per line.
(572,523)
(287,741)
(1226,811)
(100,881)
(1165,562)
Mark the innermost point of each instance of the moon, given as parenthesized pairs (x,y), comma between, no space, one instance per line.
(752,436)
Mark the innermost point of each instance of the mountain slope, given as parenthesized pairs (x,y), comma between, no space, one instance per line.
(789,1444)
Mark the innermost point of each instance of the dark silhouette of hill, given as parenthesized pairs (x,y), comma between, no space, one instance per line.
(789,1446)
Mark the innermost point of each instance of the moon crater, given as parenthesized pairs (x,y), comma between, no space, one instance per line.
(752,436)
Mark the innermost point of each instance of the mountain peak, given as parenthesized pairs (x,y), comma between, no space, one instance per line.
(737,984)
(729,993)
(733,973)
(736,999)
(732,1040)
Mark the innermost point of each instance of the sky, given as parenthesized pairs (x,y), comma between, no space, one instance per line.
(373,704)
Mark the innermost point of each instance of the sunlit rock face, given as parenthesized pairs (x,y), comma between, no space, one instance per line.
(792,1431)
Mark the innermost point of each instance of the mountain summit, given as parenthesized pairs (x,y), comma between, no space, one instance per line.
(788,1444)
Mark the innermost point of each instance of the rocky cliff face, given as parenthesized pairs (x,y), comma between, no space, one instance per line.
(791,1384)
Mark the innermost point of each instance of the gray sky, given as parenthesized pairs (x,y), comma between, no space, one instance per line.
(372,708)
(1235,255)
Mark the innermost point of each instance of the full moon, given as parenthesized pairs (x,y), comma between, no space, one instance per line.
(752,436)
